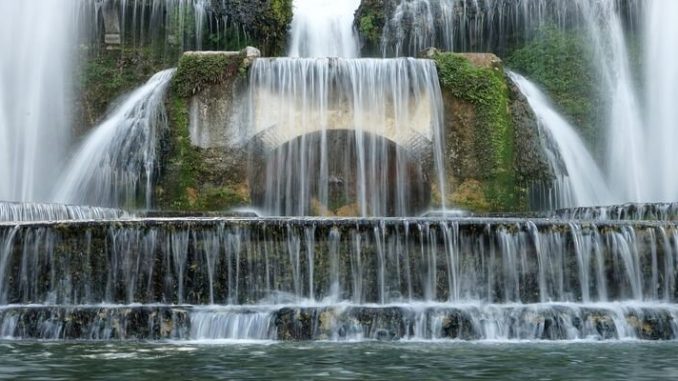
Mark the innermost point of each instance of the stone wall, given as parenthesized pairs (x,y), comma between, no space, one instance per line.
(204,163)
(493,151)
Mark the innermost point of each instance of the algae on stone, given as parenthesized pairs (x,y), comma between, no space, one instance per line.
(201,177)
(481,135)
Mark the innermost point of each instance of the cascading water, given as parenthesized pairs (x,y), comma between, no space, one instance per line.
(361,137)
(625,140)
(55,212)
(35,37)
(661,74)
(116,164)
(471,25)
(340,279)
(640,116)
(176,24)
(324,28)
(634,212)
(580,182)
(417,25)
(351,137)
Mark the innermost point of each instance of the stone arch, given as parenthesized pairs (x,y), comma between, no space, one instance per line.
(385,178)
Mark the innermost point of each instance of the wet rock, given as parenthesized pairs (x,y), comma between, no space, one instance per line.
(458,325)
(386,335)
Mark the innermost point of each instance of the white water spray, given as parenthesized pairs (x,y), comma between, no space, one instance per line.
(116,163)
(324,28)
(661,68)
(583,183)
(625,138)
(34,81)
(390,112)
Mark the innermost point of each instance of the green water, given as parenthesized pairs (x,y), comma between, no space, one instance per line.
(340,361)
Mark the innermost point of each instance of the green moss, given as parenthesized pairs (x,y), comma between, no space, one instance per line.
(281,11)
(196,71)
(263,24)
(486,89)
(180,189)
(183,185)
(561,62)
(370,20)
(368,28)
(109,74)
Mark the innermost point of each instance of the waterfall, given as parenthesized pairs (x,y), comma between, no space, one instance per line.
(661,72)
(466,261)
(419,24)
(471,25)
(358,137)
(35,37)
(625,140)
(309,279)
(115,165)
(54,212)
(639,115)
(635,212)
(580,182)
(162,24)
(324,28)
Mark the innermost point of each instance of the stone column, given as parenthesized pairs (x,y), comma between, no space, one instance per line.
(109,11)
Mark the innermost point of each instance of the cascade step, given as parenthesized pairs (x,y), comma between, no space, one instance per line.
(245,260)
(94,322)
(603,321)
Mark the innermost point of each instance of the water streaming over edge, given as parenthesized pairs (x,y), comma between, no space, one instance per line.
(115,165)
(391,111)
(14,212)
(324,28)
(35,80)
(580,182)
(474,279)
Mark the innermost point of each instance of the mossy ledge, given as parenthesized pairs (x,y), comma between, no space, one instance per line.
(197,70)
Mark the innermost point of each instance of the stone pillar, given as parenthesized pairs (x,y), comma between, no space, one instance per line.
(109,12)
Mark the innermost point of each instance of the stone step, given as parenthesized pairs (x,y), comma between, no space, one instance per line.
(611,321)
(246,260)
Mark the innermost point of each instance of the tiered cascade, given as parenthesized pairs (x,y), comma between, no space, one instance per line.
(358,134)
(358,137)
(339,279)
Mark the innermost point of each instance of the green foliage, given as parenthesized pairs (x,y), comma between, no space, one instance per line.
(487,91)
(184,156)
(196,71)
(109,74)
(281,10)
(561,62)
(263,24)
(270,28)
(370,21)
(368,28)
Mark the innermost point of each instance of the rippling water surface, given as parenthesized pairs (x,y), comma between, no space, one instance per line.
(345,361)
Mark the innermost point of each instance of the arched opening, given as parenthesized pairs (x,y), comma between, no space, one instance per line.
(341,173)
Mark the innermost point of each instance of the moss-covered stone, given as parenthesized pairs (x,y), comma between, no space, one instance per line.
(561,61)
(370,20)
(105,75)
(195,176)
(479,132)
(263,23)
(200,69)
